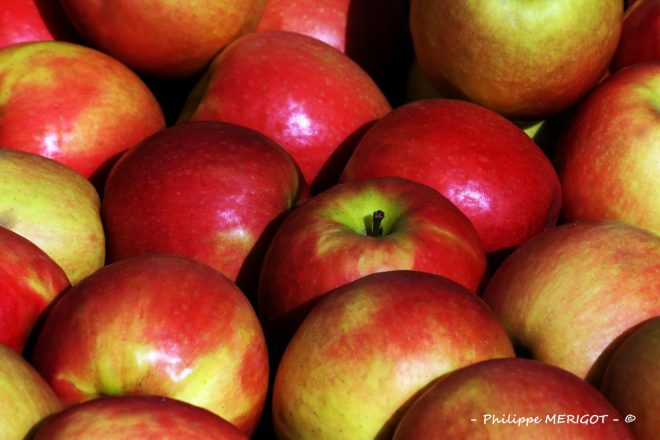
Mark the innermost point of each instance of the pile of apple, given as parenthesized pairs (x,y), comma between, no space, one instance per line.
(329,219)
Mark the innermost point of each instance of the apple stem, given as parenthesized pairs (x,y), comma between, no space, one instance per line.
(376,230)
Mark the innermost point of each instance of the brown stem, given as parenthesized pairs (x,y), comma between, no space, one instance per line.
(376,229)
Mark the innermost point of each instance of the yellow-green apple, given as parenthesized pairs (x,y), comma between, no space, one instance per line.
(54,207)
(209,190)
(136,417)
(358,228)
(632,379)
(569,295)
(303,93)
(608,158)
(525,60)
(511,398)
(33,20)
(640,35)
(370,346)
(29,281)
(72,104)
(482,162)
(166,38)
(162,325)
(25,397)
(380,43)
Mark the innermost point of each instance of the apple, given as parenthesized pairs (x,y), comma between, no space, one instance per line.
(133,417)
(632,379)
(25,397)
(33,20)
(369,347)
(55,208)
(168,38)
(374,33)
(487,166)
(304,94)
(72,104)
(608,154)
(340,235)
(162,325)
(567,296)
(511,398)
(640,41)
(29,281)
(525,60)
(213,191)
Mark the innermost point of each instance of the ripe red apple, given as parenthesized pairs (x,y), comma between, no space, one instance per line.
(369,347)
(511,398)
(306,95)
(72,104)
(55,208)
(632,379)
(339,236)
(157,325)
(607,159)
(33,20)
(640,35)
(483,163)
(569,295)
(212,191)
(168,38)
(29,281)
(25,397)
(525,60)
(133,417)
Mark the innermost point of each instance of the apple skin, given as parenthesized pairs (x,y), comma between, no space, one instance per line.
(157,325)
(55,208)
(367,348)
(164,38)
(457,405)
(304,94)
(29,281)
(487,166)
(569,295)
(25,397)
(212,191)
(525,60)
(133,417)
(33,20)
(323,244)
(608,154)
(632,379)
(73,104)
(640,35)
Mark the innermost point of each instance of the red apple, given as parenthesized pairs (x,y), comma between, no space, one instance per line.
(569,295)
(608,155)
(136,417)
(525,60)
(331,240)
(55,208)
(72,104)
(212,191)
(168,38)
(483,163)
(306,95)
(511,399)
(632,379)
(29,281)
(157,325)
(33,20)
(640,35)
(369,347)
(25,397)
